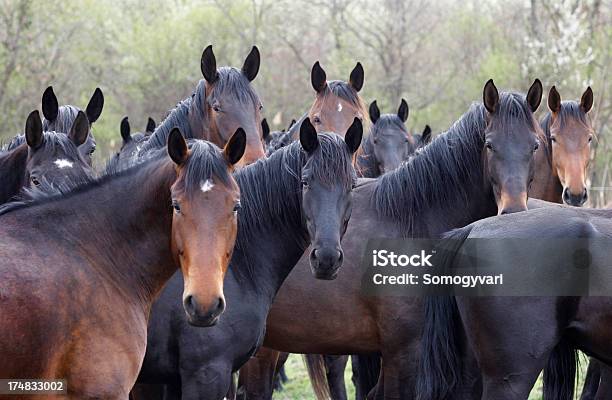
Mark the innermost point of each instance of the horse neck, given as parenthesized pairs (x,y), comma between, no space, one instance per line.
(269,248)
(12,172)
(122,226)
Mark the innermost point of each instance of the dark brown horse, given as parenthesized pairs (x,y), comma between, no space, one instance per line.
(39,157)
(337,103)
(88,304)
(480,167)
(60,118)
(513,338)
(221,103)
(130,144)
(561,173)
(388,143)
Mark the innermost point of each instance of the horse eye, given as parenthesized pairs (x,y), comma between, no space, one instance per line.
(92,151)
(176,206)
(316,120)
(489,146)
(35,181)
(260,107)
(305,183)
(375,141)
(237,206)
(216,107)
(553,139)
(590,139)
(536,147)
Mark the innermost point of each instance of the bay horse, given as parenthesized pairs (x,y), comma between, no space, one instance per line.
(88,305)
(222,102)
(561,172)
(38,157)
(480,167)
(299,195)
(513,338)
(60,118)
(388,143)
(337,103)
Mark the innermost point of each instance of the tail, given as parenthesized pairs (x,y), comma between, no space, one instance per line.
(440,364)
(315,364)
(366,370)
(560,372)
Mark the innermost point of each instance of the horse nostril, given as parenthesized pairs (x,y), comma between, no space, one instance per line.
(566,196)
(585,194)
(220,305)
(190,304)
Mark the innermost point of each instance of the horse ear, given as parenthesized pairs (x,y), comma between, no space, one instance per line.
(79,129)
(402,111)
(318,78)
(125,130)
(308,136)
(356,79)
(34,130)
(50,106)
(208,64)
(490,96)
(586,102)
(95,105)
(293,121)
(374,112)
(353,135)
(554,100)
(235,147)
(150,125)
(251,64)
(265,128)
(534,95)
(177,146)
(426,135)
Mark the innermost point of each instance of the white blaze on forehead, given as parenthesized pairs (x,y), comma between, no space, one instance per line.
(63,163)
(207,186)
(339,107)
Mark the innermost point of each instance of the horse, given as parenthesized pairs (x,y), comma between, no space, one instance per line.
(480,167)
(336,103)
(388,143)
(561,174)
(222,102)
(299,195)
(43,157)
(276,139)
(513,338)
(130,144)
(60,119)
(94,332)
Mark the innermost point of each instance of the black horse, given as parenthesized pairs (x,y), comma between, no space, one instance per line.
(299,195)
(508,341)
(39,157)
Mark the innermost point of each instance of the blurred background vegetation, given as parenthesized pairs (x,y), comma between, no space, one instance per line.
(145,56)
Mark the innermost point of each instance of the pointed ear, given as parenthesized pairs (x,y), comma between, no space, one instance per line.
(308,136)
(554,100)
(318,78)
(374,112)
(586,102)
(125,130)
(490,96)
(265,128)
(208,64)
(356,79)
(353,135)
(34,131)
(50,106)
(293,121)
(150,125)
(426,135)
(235,147)
(402,111)
(177,147)
(95,105)
(251,64)
(534,95)
(79,129)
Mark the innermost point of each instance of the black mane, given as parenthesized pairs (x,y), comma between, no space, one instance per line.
(443,170)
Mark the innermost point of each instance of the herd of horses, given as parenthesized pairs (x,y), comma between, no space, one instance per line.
(210,246)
